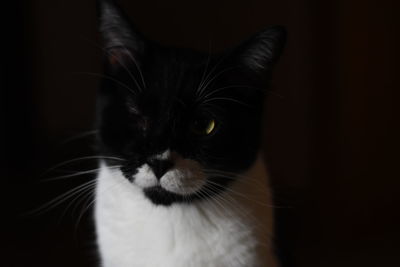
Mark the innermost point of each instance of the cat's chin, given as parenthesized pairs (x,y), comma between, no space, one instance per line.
(160,196)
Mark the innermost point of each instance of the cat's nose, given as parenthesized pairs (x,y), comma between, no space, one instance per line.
(160,167)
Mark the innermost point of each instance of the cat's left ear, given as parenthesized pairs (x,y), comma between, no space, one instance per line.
(260,52)
(121,42)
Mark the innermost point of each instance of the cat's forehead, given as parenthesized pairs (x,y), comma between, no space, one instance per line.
(175,76)
(171,62)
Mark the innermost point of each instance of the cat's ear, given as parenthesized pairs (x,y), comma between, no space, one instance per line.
(261,51)
(121,42)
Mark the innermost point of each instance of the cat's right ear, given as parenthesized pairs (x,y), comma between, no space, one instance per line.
(260,52)
(121,42)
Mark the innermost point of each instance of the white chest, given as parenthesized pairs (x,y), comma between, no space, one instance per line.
(219,232)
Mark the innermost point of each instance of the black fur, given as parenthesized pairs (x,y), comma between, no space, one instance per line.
(150,99)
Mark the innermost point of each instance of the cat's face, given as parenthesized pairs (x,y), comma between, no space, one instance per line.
(184,123)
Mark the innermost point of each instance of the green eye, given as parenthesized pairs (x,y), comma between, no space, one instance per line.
(203,126)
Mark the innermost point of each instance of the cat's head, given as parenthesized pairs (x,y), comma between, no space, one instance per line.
(184,123)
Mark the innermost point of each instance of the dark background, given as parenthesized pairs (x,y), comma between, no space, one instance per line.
(331,128)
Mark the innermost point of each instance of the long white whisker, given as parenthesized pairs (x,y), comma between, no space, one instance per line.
(85,209)
(79,136)
(212,199)
(236,207)
(60,199)
(209,74)
(76,198)
(216,185)
(202,80)
(232,176)
(226,99)
(90,199)
(212,79)
(62,177)
(119,61)
(219,90)
(137,67)
(79,159)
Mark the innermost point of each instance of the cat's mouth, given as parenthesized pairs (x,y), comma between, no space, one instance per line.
(160,196)
(178,185)
(182,180)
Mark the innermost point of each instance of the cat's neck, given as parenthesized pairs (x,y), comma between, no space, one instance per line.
(233,229)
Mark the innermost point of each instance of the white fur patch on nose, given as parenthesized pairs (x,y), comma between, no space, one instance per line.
(145,177)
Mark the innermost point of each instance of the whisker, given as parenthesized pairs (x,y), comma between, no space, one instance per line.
(218,186)
(119,61)
(245,214)
(62,177)
(212,79)
(137,67)
(229,205)
(81,195)
(202,80)
(79,136)
(78,159)
(212,199)
(231,86)
(60,199)
(90,199)
(219,90)
(226,99)
(229,175)
(93,195)
(210,73)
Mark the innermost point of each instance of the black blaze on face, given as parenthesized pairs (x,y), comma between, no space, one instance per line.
(204,107)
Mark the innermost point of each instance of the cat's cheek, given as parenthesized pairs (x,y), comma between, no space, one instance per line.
(145,177)
(183,182)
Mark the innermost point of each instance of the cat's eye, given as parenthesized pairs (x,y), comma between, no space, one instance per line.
(203,126)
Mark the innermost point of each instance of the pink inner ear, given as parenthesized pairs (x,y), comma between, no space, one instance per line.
(113,59)
(118,56)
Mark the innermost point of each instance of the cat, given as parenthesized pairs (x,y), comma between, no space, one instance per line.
(182,182)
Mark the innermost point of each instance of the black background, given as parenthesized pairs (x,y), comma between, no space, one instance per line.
(331,127)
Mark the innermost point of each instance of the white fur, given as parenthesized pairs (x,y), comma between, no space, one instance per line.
(145,177)
(132,231)
(185,177)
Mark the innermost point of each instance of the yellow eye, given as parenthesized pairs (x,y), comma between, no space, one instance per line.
(203,126)
(210,126)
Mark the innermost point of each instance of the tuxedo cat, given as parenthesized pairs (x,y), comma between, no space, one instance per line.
(182,182)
